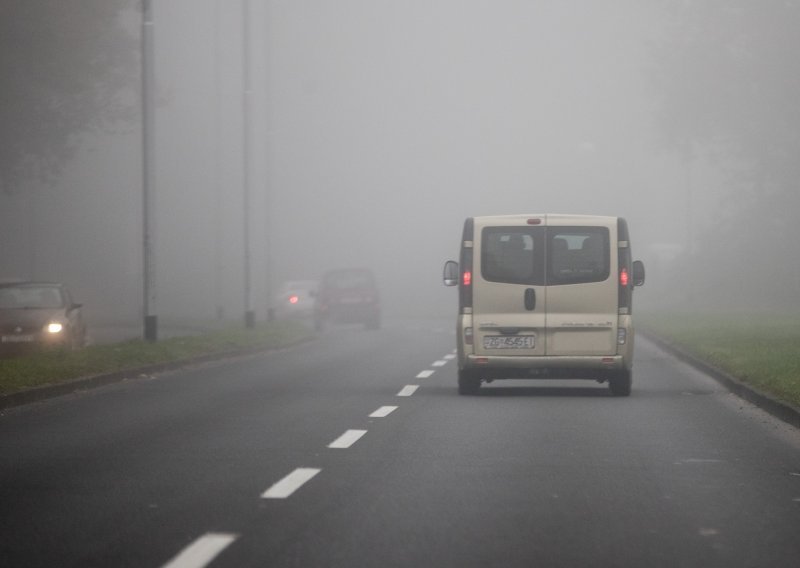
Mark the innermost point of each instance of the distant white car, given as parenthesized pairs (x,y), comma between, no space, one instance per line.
(295,299)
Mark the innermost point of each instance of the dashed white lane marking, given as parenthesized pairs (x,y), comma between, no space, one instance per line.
(408,390)
(425,374)
(383,412)
(347,439)
(202,551)
(450,356)
(439,363)
(290,483)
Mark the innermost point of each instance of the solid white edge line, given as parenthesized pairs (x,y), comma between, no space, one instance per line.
(202,551)
(347,439)
(383,412)
(425,374)
(408,390)
(291,483)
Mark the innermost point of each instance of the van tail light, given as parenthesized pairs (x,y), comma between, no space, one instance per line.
(468,335)
(624,277)
(465,262)
(293,299)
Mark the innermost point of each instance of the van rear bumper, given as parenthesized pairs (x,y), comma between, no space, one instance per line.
(506,367)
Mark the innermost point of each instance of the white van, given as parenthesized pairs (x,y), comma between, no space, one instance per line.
(545,296)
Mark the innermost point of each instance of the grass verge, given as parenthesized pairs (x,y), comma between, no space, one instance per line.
(761,350)
(51,367)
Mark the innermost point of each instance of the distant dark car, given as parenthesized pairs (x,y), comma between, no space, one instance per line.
(348,295)
(39,314)
(295,299)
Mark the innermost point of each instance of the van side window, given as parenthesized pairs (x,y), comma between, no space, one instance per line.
(512,255)
(577,255)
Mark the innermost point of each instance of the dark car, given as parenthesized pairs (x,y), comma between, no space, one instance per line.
(348,295)
(39,314)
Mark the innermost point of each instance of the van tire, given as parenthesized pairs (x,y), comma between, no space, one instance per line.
(620,383)
(468,382)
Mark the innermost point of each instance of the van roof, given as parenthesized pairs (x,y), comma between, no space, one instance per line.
(548,219)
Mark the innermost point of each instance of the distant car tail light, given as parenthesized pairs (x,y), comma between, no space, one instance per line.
(293,299)
(468,335)
(624,277)
(467,278)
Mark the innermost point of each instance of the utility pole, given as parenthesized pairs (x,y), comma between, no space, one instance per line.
(148,170)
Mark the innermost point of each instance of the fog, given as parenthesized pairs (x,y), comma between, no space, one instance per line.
(377,128)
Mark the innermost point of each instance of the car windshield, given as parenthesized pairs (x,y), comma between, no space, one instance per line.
(349,280)
(299,285)
(26,297)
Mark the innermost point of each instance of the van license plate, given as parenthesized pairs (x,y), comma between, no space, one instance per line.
(509,342)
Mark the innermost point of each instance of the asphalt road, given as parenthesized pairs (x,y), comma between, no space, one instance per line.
(326,455)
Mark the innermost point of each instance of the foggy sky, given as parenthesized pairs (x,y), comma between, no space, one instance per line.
(379,126)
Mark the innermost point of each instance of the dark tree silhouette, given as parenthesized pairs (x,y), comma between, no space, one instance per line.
(67,66)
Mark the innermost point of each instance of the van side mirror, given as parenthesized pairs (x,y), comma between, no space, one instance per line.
(450,273)
(638,273)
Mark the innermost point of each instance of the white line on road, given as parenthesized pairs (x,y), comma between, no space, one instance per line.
(347,439)
(439,363)
(449,356)
(290,483)
(383,412)
(425,374)
(408,390)
(202,551)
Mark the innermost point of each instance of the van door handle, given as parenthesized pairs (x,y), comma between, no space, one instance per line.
(530,299)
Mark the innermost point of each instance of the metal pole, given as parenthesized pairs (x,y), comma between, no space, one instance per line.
(268,280)
(249,314)
(148,172)
(219,310)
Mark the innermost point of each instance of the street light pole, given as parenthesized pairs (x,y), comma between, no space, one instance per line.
(249,313)
(148,171)
(219,311)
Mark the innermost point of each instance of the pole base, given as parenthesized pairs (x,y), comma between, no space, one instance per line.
(151,328)
(250,319)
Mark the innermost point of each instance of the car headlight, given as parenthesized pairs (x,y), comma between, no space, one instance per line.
(54,327)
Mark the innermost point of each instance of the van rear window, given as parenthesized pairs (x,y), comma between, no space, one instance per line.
(513,255)
(577,255)
(545,255)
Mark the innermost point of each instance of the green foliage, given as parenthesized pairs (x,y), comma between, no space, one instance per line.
(58,366)
(761,349)
(64,65)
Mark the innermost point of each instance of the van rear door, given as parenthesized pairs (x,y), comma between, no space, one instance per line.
(582,292)
(509,301)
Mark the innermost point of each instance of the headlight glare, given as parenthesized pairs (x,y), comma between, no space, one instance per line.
(54,327)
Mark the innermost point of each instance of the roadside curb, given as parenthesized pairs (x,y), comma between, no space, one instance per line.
(779,409)
(44,392)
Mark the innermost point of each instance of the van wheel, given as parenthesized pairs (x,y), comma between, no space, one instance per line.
(620,383)
(468,382)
